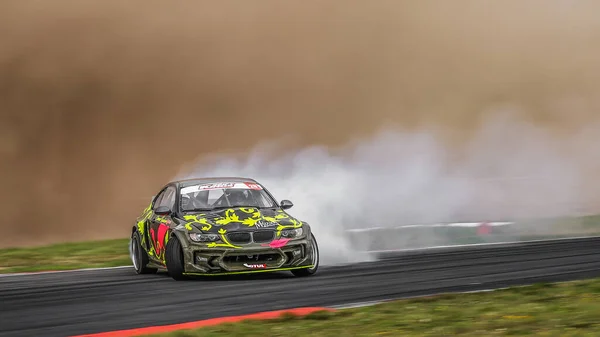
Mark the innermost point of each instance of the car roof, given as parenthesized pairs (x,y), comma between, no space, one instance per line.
(206,180)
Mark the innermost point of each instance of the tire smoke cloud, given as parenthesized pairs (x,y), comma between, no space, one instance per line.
(509,170)
(415,105)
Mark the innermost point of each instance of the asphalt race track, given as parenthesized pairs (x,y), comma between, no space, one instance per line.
(63,304)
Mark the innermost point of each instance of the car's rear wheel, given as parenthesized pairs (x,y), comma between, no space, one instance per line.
(315,260)
(174,259)
(138,255)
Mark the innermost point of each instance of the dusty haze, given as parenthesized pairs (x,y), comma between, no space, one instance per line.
(457,109)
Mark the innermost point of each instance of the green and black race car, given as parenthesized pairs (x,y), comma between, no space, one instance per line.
(217,226)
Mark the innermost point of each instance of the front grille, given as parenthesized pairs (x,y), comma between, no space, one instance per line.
(263,236)
(239,238)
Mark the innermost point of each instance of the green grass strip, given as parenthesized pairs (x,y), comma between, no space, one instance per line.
(66,256)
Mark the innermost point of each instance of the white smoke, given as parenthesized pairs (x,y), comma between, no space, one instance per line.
(509,169)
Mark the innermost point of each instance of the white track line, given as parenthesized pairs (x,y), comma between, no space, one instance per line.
(372,303)
(459,224)
(478,245)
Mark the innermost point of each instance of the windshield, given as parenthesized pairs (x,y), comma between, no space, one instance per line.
(205,197)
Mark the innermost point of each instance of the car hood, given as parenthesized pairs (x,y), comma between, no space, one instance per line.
(239,218)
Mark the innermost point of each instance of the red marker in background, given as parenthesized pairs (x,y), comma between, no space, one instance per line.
(484,229)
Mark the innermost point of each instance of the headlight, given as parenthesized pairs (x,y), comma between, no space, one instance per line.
(197,237)
(292,233)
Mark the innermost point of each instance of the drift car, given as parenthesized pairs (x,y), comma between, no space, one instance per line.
(216,226)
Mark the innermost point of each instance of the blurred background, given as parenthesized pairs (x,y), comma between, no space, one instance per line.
(360,112)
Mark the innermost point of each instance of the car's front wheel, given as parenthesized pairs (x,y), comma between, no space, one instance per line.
(174,259)
(315,260)
(138,255)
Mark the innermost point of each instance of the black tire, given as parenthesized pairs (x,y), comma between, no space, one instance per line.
(310,271)
(174,259)
(139,257)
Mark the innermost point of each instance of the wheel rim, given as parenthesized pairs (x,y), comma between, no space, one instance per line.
(135,254)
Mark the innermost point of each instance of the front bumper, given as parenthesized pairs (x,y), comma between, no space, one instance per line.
(249,259)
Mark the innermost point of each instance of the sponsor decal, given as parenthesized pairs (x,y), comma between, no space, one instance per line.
(255,266)
(265,224)
(220,185)
(253,186)
(214,186)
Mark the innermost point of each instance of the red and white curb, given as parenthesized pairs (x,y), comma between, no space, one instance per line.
(207,322)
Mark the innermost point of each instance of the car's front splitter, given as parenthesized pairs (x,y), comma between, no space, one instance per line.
(223,273)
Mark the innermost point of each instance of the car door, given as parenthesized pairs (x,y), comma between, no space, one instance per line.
(147,218)
(159,224)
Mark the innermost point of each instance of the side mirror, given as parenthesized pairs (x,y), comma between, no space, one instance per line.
(162,210)
(286,204)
